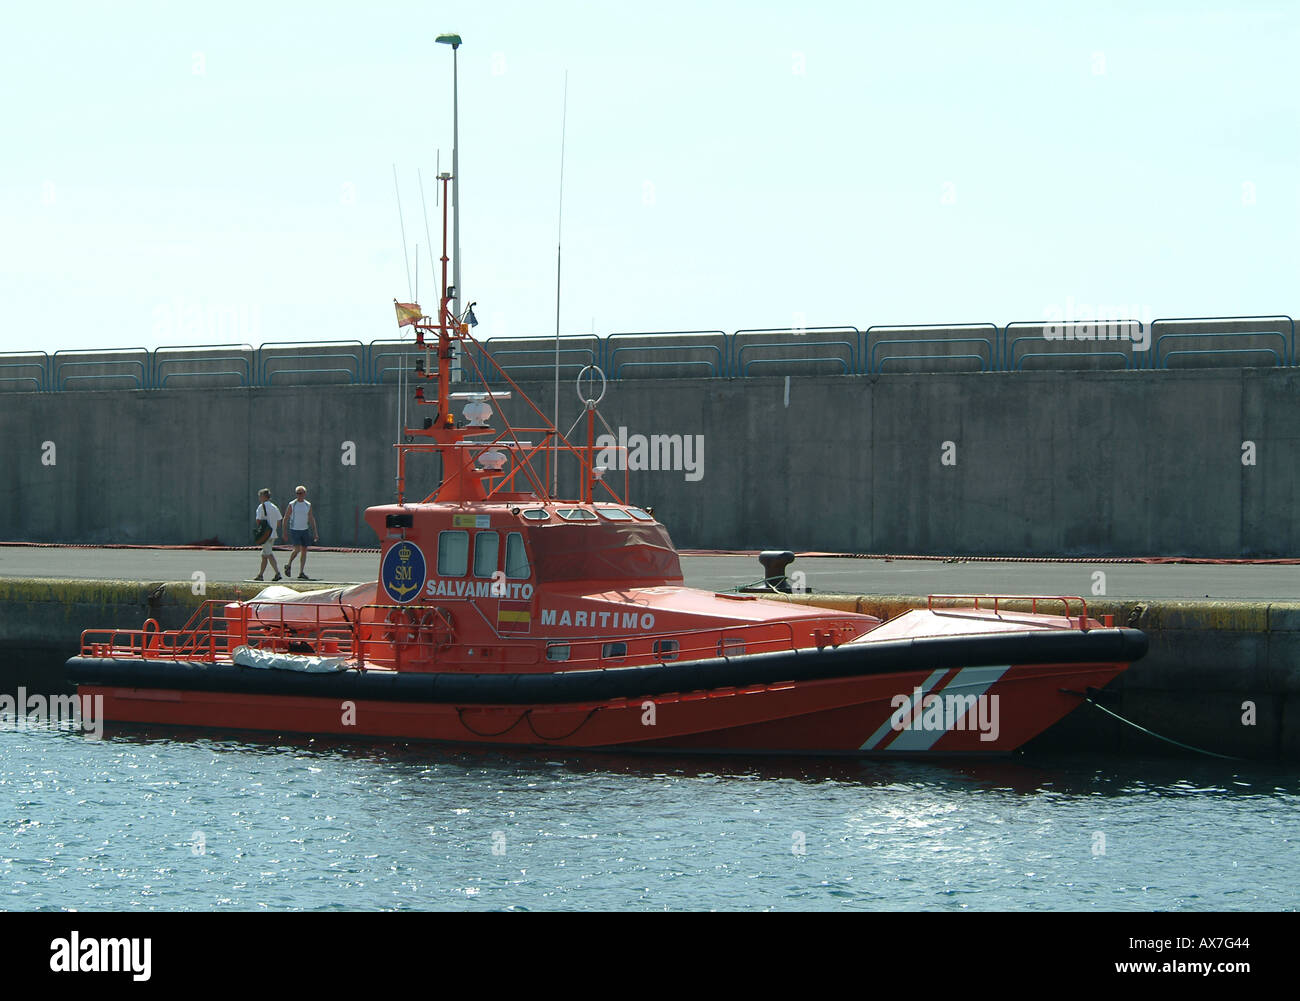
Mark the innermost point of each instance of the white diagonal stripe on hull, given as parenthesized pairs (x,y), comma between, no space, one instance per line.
(885,728)
(970,681)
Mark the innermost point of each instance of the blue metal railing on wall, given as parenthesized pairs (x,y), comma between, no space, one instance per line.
(89,366)
(620,356)
(847,350)
(24,372)
(571,360)
(347,363)
(168,363)
(1284,322)
(1123,339)
(818,338)
(1160,354)
(873,339)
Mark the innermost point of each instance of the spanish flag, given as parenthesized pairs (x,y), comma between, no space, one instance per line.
(408,313)
(514,617)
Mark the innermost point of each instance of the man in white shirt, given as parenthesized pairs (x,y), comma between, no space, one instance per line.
(269,513)
(297,516)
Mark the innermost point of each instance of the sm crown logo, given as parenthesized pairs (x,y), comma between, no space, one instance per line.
(403,574)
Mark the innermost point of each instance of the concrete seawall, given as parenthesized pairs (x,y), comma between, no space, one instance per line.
(1200,463)
(1223,676)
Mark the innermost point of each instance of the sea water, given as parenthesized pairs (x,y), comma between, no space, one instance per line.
(188,821)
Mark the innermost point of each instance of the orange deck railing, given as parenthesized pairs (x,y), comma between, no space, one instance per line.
(412,638)
(994,601)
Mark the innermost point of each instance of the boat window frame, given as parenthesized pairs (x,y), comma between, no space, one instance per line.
(496,556)
(608,513)
(557,653)
(639,514)
(667,649)
(577,515)
(528,562)
(608,653)
(535,514)
(438,562)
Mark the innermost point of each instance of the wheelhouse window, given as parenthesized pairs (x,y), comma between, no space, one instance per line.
(614,513)
(576,514)
(536,514)
(486,547)
(517,567)
(453,554)
(640,515)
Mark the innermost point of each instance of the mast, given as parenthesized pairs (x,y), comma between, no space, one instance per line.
(559,231)
(473,454)
(455,42)
(455,193)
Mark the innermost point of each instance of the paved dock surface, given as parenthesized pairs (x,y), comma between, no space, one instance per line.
(827,574)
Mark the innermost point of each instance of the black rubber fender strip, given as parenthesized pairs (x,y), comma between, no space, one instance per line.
(1097,646)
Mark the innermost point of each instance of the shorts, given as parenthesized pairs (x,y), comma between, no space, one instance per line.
(266,546)
(300,537)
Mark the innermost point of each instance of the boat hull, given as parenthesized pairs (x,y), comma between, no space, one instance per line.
(913,697)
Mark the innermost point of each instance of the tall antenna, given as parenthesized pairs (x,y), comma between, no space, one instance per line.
(410,289)
(559,230)
(433,268)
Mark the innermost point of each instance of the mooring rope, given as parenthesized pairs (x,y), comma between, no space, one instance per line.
(1151,733)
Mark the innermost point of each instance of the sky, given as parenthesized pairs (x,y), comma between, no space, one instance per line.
(199,174)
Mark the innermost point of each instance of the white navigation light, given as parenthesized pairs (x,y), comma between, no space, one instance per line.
(477,412)
(493,459)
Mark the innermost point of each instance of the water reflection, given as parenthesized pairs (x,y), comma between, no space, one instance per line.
(1033,774)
